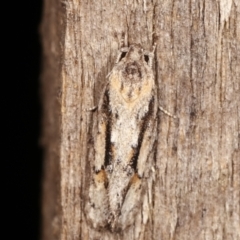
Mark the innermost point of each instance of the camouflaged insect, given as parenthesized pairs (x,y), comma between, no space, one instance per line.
(126,133)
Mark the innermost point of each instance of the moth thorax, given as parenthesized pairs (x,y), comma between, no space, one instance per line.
(135,53)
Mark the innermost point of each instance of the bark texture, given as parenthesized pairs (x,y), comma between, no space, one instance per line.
(196,191)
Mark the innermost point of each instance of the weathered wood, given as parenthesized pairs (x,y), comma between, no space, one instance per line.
(196,190)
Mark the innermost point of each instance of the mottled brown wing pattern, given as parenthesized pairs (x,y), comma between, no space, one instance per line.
(126,132)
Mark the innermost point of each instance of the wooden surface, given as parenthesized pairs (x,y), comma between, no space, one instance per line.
(196,190)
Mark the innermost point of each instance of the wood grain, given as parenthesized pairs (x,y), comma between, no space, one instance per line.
(196,189)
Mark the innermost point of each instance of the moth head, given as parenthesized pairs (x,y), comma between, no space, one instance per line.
(135,52)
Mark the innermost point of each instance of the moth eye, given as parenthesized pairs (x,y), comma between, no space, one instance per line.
(146,58)
(123,55)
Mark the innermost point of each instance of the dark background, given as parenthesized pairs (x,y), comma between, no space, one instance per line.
(20,92)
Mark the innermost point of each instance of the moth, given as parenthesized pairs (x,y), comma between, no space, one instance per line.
(125,136)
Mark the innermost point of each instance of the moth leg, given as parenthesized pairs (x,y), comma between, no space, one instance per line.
(92,109)
(166,112)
